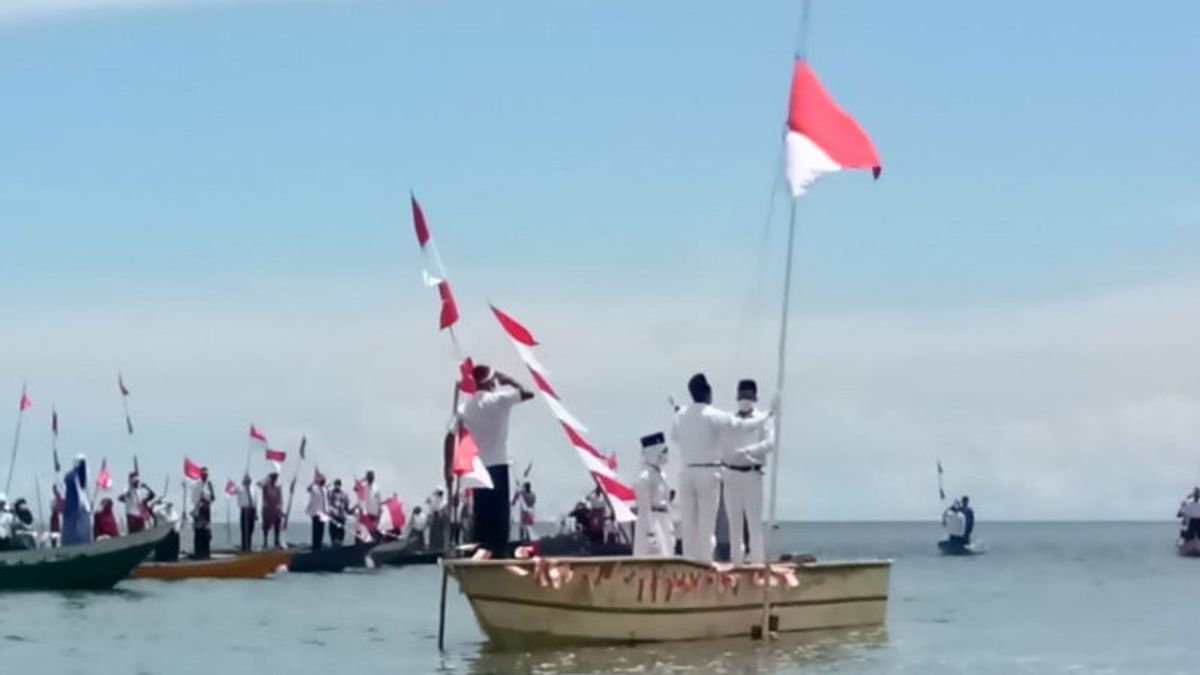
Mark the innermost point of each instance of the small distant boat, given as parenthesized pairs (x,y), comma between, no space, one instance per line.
(955,547)
(86,567)
(402,553)
(257,565)
(537,602)
(1189,548)
(330,558)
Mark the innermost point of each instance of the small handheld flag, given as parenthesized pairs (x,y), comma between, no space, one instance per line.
(191,470)
(104,478)
(231,488)
(26,404)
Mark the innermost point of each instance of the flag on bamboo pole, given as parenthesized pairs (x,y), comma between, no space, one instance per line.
(104,478)
(276,457)
(125,402)
(26,403)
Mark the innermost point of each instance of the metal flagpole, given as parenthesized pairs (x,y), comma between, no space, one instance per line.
(778,412)
(12,460)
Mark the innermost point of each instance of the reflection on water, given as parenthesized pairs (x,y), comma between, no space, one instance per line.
(789,652)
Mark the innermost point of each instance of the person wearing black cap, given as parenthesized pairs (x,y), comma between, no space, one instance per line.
(697,430)
(745,454)
(653,536)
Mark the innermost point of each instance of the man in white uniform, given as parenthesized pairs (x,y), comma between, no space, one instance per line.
(485,414)
(698,430)
(745,455)
(653,536)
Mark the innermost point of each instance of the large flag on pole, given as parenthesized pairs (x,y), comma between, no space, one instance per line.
(437,278)
(821,137)
(191,470)
(601,466)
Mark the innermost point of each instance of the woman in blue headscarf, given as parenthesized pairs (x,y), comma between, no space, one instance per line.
(77,521)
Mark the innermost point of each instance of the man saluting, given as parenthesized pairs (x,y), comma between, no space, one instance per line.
(485,414)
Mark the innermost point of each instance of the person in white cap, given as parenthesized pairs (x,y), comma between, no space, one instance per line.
(697,430)
(653,535)
(745,455)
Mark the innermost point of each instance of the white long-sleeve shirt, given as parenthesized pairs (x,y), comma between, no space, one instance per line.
(486,416)
(316,501)
(698,429)
(748,446)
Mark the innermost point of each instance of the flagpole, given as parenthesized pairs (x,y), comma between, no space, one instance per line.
(780,379)
(446,543)
(12,460)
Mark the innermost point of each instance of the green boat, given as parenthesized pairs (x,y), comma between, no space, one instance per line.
(87,567)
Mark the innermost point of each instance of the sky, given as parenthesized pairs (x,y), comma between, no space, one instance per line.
(211,197)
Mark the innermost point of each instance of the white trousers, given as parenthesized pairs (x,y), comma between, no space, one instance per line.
(744,499)
(699,499)
(653,535)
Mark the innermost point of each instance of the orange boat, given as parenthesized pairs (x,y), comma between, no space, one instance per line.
(242,566)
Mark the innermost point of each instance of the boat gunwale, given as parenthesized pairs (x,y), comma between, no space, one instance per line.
(467,563)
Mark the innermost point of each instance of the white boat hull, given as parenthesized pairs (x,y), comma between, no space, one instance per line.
(626,599)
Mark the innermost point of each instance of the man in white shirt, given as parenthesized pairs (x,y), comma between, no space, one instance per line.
(316,509)
(745,455)
(136,501)
(485,414)
(697,431)
(247,513)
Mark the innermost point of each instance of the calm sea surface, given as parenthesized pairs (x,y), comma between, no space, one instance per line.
(1046,598)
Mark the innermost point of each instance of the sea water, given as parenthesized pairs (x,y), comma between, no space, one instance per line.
(1045,598)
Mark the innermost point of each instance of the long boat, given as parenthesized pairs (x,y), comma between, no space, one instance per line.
(95,566)
(402,554)
(330,558)
(622,599)
(257,565)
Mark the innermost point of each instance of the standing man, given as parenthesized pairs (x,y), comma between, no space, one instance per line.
(316,510)
(137,504)
(652,536)
(202,517)
(485,414)
(525,501)
(370,505)
(745,455)
(272,507)
(338,510)
(77,520)
(247,513)
(968,518)
(698,429)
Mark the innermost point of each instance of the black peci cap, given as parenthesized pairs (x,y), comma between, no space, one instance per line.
(748,387)
(653,440)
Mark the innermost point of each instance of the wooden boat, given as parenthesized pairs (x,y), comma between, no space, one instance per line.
(95,566)
(574,544)
(240,566)
(523,603)
(1189,548)
(330,558)
(950,547)
(401,553)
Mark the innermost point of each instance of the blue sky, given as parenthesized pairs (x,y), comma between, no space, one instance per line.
(212,196)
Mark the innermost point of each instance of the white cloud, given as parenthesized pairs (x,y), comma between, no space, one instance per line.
(1078,408)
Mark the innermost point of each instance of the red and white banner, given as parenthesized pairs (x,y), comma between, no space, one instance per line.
(437,278)
(392,517)
(230,488)
(821,137)
(619,494)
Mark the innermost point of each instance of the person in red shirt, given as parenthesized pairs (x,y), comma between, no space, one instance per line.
(104,523)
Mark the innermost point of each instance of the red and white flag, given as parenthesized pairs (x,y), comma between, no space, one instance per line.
(393,514)
(467,465)
(601,466)
(437,278)
(821,137)
(191,470)
(361,490)
(276,458)
(257,436)
(26,404)
(231,488)
(104,478)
